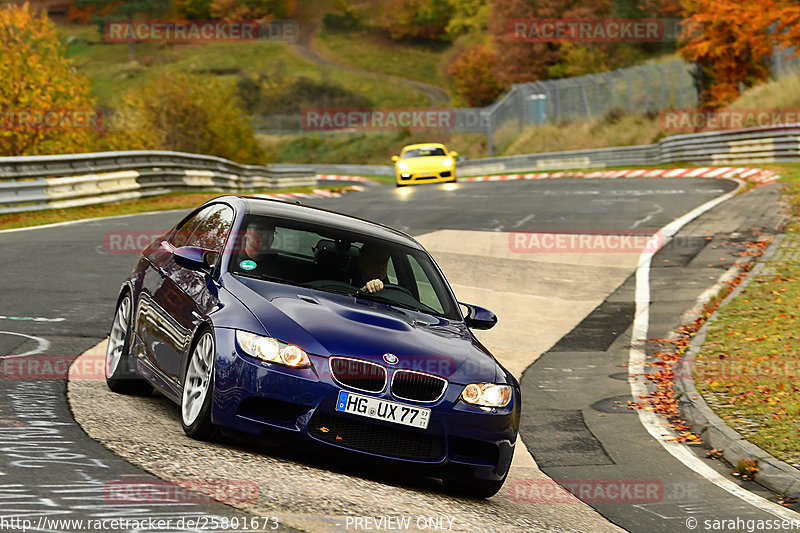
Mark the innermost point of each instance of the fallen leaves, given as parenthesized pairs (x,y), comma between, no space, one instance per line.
(663,399)
(746,469)
(715,453)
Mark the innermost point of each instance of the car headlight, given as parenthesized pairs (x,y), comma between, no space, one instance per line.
(447,162)
(402,166)
(271,350)
(487,394)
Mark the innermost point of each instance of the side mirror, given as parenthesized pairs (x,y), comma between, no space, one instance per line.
(479,317)
(395,158)
(194,258)
(453,154)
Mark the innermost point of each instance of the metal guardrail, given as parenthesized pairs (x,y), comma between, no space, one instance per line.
(46,182)
(51,182)
(343,170)
(749,146)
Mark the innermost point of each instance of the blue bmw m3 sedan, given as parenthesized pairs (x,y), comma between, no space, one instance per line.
(264,317)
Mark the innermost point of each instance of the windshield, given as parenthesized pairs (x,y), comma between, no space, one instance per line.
(423,152)
(341,262)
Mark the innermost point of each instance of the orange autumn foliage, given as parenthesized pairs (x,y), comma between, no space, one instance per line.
(36,78)
(732,42)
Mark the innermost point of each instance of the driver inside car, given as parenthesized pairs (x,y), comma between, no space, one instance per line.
(256,254)
(369,271)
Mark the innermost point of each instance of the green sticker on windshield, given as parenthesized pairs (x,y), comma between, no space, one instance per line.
(247,264)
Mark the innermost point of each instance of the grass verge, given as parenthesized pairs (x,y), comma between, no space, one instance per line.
(749,365)
(377,53)
(363,148)
(164,202)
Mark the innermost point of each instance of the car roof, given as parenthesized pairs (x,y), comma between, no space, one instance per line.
(323,217)
(423,145)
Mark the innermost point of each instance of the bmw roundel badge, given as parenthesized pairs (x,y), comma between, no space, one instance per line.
(390,358)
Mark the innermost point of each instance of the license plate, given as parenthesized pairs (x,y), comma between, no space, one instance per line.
(369,407)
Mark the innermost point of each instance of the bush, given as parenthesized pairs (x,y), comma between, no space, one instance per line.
(264,95)
(347,21)
(417,19)
(181,112)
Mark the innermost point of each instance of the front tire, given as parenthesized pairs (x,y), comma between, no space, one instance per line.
(118,377)
(198,389)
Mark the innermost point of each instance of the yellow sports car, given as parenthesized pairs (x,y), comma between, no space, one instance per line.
(424,163)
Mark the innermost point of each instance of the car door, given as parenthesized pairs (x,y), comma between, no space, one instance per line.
(178,297)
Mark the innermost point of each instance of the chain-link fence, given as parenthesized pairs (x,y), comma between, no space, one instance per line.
(634,90)
(785,63)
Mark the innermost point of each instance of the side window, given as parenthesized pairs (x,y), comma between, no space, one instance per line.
(427,295)
(213,229)
(391,275)
(181,237)
(295,242)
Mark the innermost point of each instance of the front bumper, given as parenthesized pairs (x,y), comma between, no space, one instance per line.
(436,175)
(263,399)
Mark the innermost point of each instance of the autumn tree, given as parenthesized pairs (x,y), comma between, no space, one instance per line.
(417,19)
(525,61)
(469,17)
(103,11)
(176,111)
(193,9)
(37,81)
(473,75)
(646,8)
(732,41)
(251,9)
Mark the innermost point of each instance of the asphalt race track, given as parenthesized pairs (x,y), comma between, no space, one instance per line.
(61,282)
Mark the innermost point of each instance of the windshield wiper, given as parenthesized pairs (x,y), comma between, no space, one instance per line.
(272,279)
(383,299)
(336,291)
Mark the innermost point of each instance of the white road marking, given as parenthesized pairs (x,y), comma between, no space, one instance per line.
(41,344)
(658,210)
(32,318)
(81,221)
(654,424)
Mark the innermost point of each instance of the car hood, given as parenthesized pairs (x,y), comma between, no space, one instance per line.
(433,162)
(328,324)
